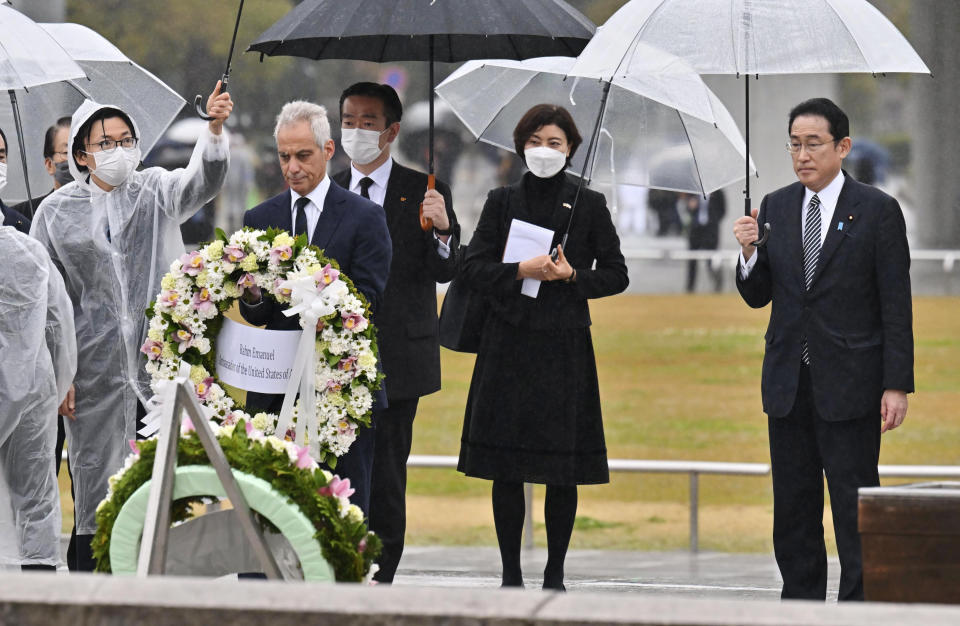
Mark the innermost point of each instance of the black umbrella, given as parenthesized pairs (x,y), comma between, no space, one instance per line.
(427,30)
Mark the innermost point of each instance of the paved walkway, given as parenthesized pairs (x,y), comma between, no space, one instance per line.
(705,574)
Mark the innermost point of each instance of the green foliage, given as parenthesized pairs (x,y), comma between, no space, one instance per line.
(346,545)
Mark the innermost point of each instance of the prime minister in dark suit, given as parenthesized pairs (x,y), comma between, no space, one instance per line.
(839,346)
(345,226)
(370,117)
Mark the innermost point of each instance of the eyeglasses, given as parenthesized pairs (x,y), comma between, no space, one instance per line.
(62,155)
(812,147)
(110,144)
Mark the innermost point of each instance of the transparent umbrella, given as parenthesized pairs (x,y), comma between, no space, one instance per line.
(29,57)
(112,78)
(745,37)
(663,128)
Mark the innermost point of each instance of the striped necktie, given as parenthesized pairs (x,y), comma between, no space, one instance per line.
(811,252)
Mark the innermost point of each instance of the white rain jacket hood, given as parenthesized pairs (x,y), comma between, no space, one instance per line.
(38,358)
(113,248)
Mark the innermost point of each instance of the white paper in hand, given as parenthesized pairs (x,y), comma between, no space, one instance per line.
(525,241)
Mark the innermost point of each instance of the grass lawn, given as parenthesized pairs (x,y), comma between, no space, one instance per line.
(679,379)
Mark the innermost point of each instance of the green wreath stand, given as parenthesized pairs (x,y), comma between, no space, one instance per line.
(201,480)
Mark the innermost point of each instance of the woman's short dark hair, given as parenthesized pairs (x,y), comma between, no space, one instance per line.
(392,109)
(79,142)
(63,122)
(837,120)
(5,144)
(542,115)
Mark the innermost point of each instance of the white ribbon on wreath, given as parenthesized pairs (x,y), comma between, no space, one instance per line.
(312,301)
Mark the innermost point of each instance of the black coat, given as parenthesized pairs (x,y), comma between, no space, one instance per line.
(15,219)
(407,315)
(533,412)
(857,315)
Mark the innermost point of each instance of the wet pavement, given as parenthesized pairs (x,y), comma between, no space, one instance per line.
(702,575)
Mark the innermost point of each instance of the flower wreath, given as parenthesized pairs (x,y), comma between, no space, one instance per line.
(201,286)
(345,542)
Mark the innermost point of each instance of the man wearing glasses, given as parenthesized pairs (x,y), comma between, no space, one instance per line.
(113,234)
(54,161)
(838,363)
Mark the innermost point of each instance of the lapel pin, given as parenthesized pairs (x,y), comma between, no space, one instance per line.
(402,199)
(566,205)
(849,218)
(840,226)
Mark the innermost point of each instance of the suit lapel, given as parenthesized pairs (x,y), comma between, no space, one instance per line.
(330,217)
(399,199)
(561,213)
(847,211)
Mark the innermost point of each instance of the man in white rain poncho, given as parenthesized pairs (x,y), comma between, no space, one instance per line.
(38,357)
(113,233)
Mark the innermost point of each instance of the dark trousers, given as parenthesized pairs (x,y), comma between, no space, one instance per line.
(804,447)
(388,489)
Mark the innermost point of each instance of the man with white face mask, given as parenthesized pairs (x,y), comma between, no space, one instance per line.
(407,318)
(113,233)
(11,217)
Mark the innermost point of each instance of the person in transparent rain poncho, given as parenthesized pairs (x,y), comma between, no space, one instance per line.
(38,358)
(113,233)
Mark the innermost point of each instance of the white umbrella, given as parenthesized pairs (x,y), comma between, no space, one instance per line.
(663,128)
(112,78)
(751,37)
(29,57)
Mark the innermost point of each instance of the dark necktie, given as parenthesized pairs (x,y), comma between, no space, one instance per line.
(811,252)
(300,226)
(365,183)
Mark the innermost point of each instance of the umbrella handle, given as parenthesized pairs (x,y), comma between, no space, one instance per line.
(198,104)
(425,222)
(764,235)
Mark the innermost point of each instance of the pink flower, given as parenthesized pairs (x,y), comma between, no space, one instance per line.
(153,349)
(230,419)
(325,276)
(203,387)
(133,446)
(192,263)
(233,253)
(362,546)
(280,253)
(187,425)
(249,427)
(334,386)
(304,460)
(202,302)
(347,364)
(283,291)
(184,338)
(247,281)
(291,434)
(337,488)
(354,322)
(168,299)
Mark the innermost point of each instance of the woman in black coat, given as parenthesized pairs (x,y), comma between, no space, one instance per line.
(533,412)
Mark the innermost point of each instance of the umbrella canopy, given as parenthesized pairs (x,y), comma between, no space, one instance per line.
(418,30)
(28,55)
(663,128)
(112,78)
(749,37)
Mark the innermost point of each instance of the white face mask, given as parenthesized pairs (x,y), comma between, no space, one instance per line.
(544,162)
(3,175)
(361,145)
(115,166)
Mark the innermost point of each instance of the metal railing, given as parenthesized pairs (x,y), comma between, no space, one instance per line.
(693,469)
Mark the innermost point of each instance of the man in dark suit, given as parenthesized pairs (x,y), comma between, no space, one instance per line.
(703,233)
(55,162)
(407,319)
(345,226)
(839,346)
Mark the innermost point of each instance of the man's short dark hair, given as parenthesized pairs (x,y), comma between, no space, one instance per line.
(392,109)
(6,146)
(79,142)
(63,122)
(837,120)
(541,115)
